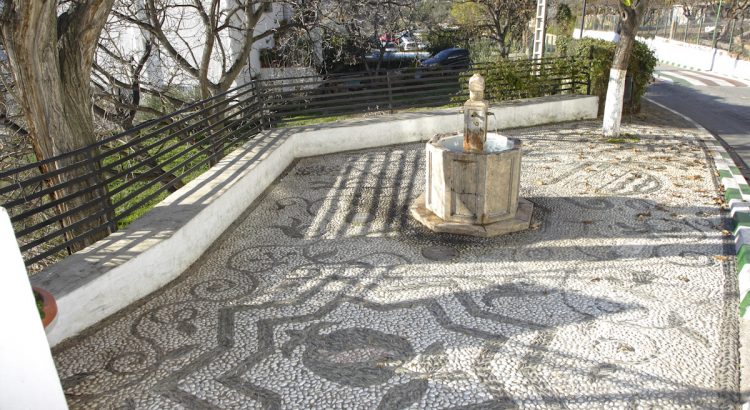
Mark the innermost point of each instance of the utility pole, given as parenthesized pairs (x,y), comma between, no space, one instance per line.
(540,24)
(583,17)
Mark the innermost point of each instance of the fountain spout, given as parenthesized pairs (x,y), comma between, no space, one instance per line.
(475,116)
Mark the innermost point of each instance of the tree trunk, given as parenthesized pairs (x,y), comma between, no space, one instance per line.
(51,60)
(616,88)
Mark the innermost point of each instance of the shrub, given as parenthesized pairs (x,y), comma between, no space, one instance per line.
(508,79)
(641,67)
(483,50)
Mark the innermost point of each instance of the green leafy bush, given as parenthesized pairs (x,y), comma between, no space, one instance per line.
(508,79)
(641,67)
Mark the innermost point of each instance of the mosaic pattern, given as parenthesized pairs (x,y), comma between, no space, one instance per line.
(328,295)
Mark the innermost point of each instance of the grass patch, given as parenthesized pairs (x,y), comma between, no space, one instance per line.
(300,121)
(623,140)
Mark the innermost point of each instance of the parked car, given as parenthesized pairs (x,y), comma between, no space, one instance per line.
(450,58)
(390,47)
(410,43)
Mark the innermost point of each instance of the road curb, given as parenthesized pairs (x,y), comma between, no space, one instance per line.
(737,198)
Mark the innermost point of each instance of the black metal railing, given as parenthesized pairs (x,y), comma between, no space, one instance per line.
(63,203)
(106,185)
(308,98)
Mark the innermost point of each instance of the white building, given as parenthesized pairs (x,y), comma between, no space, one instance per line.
(185,31)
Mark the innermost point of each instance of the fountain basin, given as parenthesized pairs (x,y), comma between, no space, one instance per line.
(473,187)
(473,193)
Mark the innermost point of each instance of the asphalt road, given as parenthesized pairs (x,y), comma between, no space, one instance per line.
(724,111)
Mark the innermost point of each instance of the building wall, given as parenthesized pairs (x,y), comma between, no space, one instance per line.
(161,70)
(28,378)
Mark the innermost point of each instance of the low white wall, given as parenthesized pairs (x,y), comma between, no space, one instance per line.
(159,246)
(601,35)
(682,54)
(726,64)
(692,56)
(28,378)
(698,57)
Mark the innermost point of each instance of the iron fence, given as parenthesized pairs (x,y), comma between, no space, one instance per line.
(61,204)
(288,102)
(727,30)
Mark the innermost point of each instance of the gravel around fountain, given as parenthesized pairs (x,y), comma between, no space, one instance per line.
(327,294)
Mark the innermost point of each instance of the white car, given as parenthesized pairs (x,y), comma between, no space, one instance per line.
(409,43)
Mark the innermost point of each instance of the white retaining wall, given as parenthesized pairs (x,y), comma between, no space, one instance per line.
(601,35)
(692,56)
(698,57)
(28,378)
(155,249)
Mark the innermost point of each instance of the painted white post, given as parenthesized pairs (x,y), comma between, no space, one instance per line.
(28,378)
(540,29)
(613,104)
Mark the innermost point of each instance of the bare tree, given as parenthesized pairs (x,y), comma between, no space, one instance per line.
(207,40)
(353,28)
(503,21)
(51,46)
(734,10)
(631,15)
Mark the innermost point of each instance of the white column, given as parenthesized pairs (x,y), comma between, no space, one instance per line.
(613,103)
(28,378)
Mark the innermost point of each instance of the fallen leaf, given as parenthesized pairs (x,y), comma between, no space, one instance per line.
(625,348)
(721,258)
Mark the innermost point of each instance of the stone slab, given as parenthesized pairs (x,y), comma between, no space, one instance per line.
(520,222)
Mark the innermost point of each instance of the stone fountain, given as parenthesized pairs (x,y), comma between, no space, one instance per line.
(473,179)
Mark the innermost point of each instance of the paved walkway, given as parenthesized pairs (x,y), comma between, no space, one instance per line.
(328,295)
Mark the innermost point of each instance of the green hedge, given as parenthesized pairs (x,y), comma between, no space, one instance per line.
(641,66)
(508,79)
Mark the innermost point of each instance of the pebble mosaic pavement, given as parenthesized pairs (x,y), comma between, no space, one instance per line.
(328,295)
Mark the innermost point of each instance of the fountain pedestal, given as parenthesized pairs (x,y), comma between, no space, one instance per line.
(473,179)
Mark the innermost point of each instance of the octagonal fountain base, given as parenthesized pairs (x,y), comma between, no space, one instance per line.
(519,222)
(473,192)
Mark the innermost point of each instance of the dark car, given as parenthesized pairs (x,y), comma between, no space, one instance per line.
(450,58)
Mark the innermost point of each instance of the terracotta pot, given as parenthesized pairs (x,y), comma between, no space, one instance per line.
(49,306)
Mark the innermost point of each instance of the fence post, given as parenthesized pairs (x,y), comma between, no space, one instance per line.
(672,24)
(265,120)
(731,35)
(716,25)
(658,21)
(700,29)
(687,27)
(103,191)
(390,91)
(588,72)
